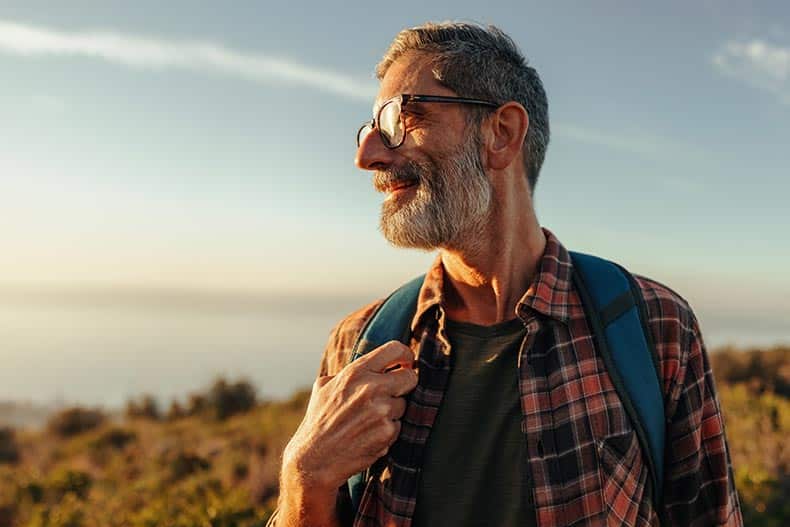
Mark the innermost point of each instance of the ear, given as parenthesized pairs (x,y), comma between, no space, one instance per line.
(504,134)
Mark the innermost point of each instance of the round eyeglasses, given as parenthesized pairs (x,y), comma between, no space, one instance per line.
(389,119)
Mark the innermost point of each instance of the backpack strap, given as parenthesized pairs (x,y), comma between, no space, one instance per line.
(390,321)
(615,308)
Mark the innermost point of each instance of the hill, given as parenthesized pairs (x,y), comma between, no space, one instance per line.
(215,462)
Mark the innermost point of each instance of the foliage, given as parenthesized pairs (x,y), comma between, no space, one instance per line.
(214,467)
(9,450)
(220,401)
(215,461)
(67,480)
(145,408)
(74,421)
(227,399)
(767,370)
(755,399)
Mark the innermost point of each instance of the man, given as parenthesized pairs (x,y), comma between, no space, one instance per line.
(501,411)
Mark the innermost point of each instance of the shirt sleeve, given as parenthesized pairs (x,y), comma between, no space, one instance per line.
(699,488)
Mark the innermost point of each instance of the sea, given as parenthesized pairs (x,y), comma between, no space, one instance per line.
(102,349)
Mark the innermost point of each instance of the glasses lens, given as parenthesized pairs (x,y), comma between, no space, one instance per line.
(363,132)
(390,124)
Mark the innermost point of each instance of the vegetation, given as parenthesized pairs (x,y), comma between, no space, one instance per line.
(754,390)
(214,460)
(74,421)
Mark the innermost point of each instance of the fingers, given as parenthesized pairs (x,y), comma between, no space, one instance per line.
(399,382)
(390,354)
(397,408)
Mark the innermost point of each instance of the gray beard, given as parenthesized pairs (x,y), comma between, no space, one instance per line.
(450,208)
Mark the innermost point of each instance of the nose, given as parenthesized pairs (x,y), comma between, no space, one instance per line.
(372,154)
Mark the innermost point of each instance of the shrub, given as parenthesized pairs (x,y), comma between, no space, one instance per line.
(187,463)
(227,399)
(176,411)
(115,438)
(70,512)
(197,404)
(74,421)
(145,408)
(9,450)
(761,370)
(66,480)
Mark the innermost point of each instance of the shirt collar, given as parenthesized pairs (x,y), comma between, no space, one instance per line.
(549,293)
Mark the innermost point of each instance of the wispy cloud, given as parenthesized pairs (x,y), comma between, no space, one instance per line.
(758,64)
(649,147)
(157,53)
(639,143)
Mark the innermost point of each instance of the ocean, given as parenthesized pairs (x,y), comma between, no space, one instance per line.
(104,348)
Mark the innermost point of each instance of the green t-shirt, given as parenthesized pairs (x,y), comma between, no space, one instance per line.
(473,472)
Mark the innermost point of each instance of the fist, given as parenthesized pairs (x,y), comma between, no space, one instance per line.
(353,417)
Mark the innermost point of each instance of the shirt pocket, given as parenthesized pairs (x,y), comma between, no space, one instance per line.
(623,477)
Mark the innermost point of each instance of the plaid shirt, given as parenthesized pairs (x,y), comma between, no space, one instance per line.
(585,463)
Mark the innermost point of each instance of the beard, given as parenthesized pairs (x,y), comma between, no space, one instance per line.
(449,207)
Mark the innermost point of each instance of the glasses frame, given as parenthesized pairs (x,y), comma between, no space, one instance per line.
(406,98)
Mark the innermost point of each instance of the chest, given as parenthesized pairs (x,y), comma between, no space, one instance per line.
(582,456)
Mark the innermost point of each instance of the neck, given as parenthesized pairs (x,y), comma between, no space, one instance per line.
(484,285)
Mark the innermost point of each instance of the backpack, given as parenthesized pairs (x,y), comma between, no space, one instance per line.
(616,312)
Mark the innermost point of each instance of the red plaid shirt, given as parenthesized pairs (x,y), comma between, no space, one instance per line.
(584,460)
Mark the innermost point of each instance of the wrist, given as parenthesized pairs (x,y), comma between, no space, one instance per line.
(303,502)
(299,470)
(296,478)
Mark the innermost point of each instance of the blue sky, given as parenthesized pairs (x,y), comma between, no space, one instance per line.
(172,145)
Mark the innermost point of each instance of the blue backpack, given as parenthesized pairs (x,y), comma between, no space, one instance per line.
(616,312)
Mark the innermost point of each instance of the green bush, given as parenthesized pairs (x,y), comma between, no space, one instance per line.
(113,438)
(69,512)
(74,421)
(184,464)
(146,408)
(762,370)
(66,480)
(226,399)
(175,411)
(9,450)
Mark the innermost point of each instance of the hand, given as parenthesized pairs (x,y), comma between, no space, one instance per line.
(353,417)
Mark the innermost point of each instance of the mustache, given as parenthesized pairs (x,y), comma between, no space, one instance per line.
(382,180)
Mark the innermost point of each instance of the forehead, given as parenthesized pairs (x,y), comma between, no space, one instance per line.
(411,73)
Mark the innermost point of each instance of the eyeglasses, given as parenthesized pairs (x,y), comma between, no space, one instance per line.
(389,119)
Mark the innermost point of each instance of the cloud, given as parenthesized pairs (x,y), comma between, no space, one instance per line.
(626,143)
(758,64)
(638,143)
(156,53)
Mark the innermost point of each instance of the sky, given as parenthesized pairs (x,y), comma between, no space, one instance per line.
(198,147)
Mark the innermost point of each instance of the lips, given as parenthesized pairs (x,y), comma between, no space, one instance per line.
(398,185)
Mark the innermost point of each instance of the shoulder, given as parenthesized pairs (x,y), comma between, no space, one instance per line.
(343,336)
(662,302)
(674,328)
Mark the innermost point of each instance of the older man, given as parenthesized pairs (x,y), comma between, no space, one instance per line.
(501,411)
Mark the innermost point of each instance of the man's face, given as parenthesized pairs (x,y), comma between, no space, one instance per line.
(438,194)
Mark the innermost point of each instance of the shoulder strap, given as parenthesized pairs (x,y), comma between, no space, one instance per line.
(615,308)
(390,321)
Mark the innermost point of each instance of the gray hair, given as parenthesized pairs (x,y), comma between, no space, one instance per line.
(483,63)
